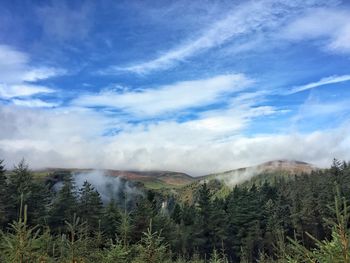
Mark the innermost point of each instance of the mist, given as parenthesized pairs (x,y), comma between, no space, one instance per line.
(109,187)
(232,178)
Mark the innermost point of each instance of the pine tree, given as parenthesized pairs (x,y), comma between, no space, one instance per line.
(65,205)
(204,230)
(111,219)
(20,186)
(90,206)
(4,197)
(217,257)
(76,243)
(152,248)
(141,217)
(125,228)
(337,249)
(116,253)
(219,223)
(21,243)
(177,214)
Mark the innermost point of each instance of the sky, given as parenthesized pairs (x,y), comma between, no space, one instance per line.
(189,86)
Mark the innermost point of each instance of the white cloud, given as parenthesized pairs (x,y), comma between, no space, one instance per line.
(71,138)
(11,58)
(36,74)
(15,68)
(247,18)
(34,103)
(330,25)
(169,98)
(22,90)
(18,77)
(322,82)
(317,109)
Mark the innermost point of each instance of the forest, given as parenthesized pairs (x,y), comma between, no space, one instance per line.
(303,218)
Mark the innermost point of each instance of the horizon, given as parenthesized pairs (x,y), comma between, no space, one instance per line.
(195,87)
(86,169)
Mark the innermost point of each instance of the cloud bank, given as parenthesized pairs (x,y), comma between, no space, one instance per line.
(71,139)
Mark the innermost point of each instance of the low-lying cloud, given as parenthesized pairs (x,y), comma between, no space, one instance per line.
(109,187)
(73,139)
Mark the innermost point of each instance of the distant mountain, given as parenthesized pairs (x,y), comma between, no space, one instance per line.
(221,183)
(233,177)
(149,179)
(155,179)
(169,179)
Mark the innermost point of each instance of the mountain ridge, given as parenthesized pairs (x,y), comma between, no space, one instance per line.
(157,179)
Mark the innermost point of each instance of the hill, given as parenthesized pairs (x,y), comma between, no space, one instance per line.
(222,183)
(154,179)
(149,179)
(282,167)
(177,180)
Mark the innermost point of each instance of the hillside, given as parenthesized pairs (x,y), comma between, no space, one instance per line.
(233,177)
(154,179)
(221,183)
(149,179)
(178,180)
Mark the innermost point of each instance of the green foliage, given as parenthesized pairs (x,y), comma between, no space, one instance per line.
(65,205)
(4,196)
(21,243)
(74,246)
(116,253)
(152,248)
(217,257)
(22,187)
(337,249)
(90,206)
(111,219)
(124,228)
(258,222)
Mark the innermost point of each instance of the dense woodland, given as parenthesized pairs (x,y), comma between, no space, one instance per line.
(298,219)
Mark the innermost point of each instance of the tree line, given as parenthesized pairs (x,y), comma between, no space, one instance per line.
(299,219)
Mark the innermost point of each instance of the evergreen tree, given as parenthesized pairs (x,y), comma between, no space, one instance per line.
(4,197)
(125,228)
(177,214)
(116,253)
(219,223)
(337,249)
(90,206)
(141,217)
(111,219)
(65,205)
(19,186)
(204,231)
(20,244)
(152,248)
(35,195)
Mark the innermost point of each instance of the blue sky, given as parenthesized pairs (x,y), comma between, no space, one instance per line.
(193,86)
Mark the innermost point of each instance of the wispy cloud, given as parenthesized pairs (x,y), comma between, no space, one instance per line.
(34,103)
(57,18)
(18,76)
(168,98)
(23,90)
(247,18)
(312,26)
(15,67)
(322,82)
